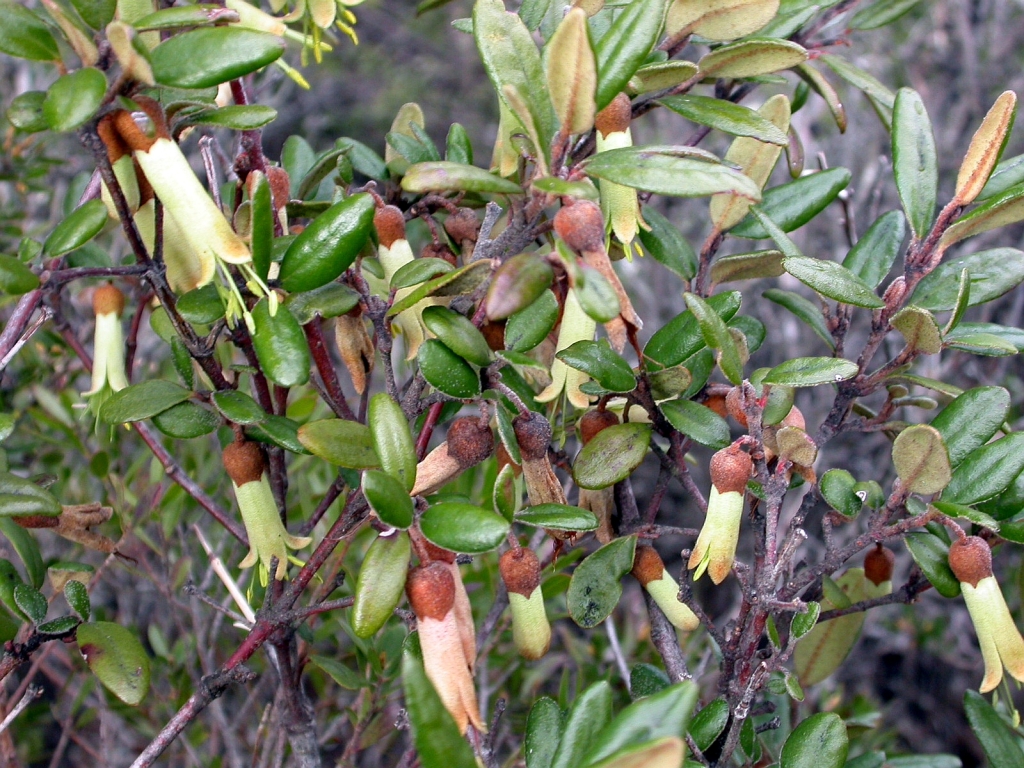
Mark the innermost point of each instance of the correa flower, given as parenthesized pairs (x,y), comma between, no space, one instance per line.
(268,538)
(619,203)
(1001,644)
(108,366)
(394,252)
(649,570)
(576,325)
(533,433)
(715,549)
(469,442)
(531,632)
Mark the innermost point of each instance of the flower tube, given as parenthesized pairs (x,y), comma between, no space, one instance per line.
(619,203)
(715,549)
(108,367)
(531,632)
(649,570)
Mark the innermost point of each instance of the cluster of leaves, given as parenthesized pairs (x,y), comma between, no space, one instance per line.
(498,315)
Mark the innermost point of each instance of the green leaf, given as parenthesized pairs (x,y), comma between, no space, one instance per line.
(804,622)
(446,176)
(78,598)
(347,678)
(971,420)
(331,300)
(388,498)
(392,439)
(460,527)
(881,13)
(201,305)
(747,266)
(238,407)
(31,602)
(881,98)
(875,253)
(987,471)
(587,718)
(833,281)
(328,246)
(992,274)
(611,456)
(543,732)
(820,741)
(986,338)
(932,556)
(280,345)
(343,443)
(26,112)
(116,657)
(207,57)
(81,226)
(646,680)
(446,371)
(417,271)
(837,488)
(24,35)
(517,284)
(172,18)
(238,117)
(997,738)
(552,185)
(74,98)
(596,584)
(460,281)
(697,422)
(794,204)
(1000,211)
(435,734)
(805,310)
(751,57)
(1008,173)
(662,75)
(15,277)
(977,517)
(727,117)
(681,337)
(625,46)
(811,371)
(458,147)
(672,171)
(921,459)
(919,329)
(708,724)
(530,326)
(381,582)
(558,517)
(59,626)
(142,401)
(25,545)
(914,160)
(596,296)
(458,333)
(716,335)
(667,245)
(96,13)
(602,363)
(186,421)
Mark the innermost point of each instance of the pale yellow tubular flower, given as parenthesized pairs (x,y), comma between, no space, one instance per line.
(251,17)
(577,325)
(531,631)
(715,549)
(185,270)
(120,156)
(108,365)
(649,570)
(619,203)
(394,252)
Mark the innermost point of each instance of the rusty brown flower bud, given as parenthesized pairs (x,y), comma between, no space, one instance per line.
(431,591)
(878,564)
(469,441)
(581,226)
(108,299)
(647,565)
(593,422)
(971,560)
(533,433)
(615,117)
(520,570)
(730,469)
(462,225)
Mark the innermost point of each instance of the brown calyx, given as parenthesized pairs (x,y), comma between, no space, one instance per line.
(431,591)
(146,192)
(730,469)
(108,133)
(108,299)
(971,560)
(469,441)
(390,225)
(878,564)
(244,462)
(734,406)
(462,225)
(533,433)
(431,552)
(716,402)
(794,418)
(581,226)
(439,251)
(280,186)
(647,565)
(520,570)
(129,131)
(616,117)
(593,422)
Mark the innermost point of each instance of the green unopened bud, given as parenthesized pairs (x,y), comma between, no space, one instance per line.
(531,632)
(715,549)
(649,570)
(108,365)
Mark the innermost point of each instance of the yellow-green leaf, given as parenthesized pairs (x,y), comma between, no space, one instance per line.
(986,146)
(572,73)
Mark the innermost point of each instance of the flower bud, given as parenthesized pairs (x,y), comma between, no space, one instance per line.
(649,570)
(593,422)
(394,253)
(581,226)
(531,632)
(619,204)
(463,227)
(878,565)
(533,433)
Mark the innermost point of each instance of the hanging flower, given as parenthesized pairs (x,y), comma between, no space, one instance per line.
(576,325)
(469,442)
(619,203)
(1000,640)
(531,632)
(715,549)
(108,367)
(394,252)
(649,570)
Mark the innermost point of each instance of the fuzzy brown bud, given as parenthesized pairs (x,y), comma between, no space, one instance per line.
(878,564)
(439,251)
(716,402)
(431,591)
(734,406)
(581,226)
(730,469)
(647,565)
(390,225)
(243,462)
(494,334)
(593,422)
(615,117)
(971,560)
(462,225)
(520,570)
(108,299)
(469,441)
(895,293)
(533,433)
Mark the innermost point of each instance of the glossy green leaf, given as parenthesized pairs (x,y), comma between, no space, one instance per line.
(879,14)
(279,431)
(717,336)
(347,678)
(24,35)
(446,371)
(203,58)
(804,622)
(932,556)
(239,117)
(74,98)
(458,147)
(794,204)
(458,333)
(201,305)
(460,281)
(15,277)
(612,455)
(446,176)
(820,741)
(914,160)
(971,420)
(543,733)
(419,271)
(646,680)
(811,371)
(625,46)
(1008,173)
(173,18)
(530,326)
(965,335)
(460,527)
(837,488)
(709,723)
(388,498)
(697,422)
(681,337)
(987,471)
(25,545)
(820,84)
(596,584)
(805,310)
(734,119)
(666,244)
(833,281)
(381,581)
(667,171)
(81,226)
(587,718)
(59,626)
(998,739)
(9,579)
(517,284)
(328,246)
(331,300)
(26,112)
(96,13)
(581,190)
(992,274)
(280,346)
(77,596)
(952,509)
(344,443)
(117,658)
(875,252)
(747,266)
(558,517)
(392,439)
(186,421)
(435,734)
(238,407)
(31,602)
(602,363)
(261,226)
(596,296)
(1000,211)
(142,401)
